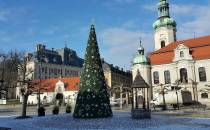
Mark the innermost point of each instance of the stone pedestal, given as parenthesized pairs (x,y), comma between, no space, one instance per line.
(140,114)
(3,101)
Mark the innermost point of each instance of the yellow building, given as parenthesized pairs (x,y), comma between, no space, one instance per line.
(118,80)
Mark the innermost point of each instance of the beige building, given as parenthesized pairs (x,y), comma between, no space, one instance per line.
(118,81)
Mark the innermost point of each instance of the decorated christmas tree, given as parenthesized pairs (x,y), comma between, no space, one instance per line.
(93,98)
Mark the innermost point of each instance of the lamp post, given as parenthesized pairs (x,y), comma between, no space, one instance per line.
(194,86)
(176,88)
(2,89)
(39,60)
(163,94)
(177,97)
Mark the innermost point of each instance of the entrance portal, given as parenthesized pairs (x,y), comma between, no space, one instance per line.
(59,98)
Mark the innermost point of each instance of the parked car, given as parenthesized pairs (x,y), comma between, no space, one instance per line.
(114,103)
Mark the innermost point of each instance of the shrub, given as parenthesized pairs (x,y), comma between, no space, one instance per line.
(68,108)
(55,110)
(41,111)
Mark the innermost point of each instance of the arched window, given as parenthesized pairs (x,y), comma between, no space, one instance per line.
(167,77)
(156,77)
(183,75)
(163,44)
(204,95)
(202,73)
(181,54)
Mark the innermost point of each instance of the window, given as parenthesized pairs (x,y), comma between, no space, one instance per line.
(202,73)
(156,77)
(42,69)
(45,70)
(204,95)
(167,77)
(55,71)
(181,54)
(163,44)
(183,75)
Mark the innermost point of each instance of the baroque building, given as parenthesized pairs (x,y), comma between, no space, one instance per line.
(184,63)
(47,63)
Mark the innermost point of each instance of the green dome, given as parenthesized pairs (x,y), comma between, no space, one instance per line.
(140,59)
(164,22)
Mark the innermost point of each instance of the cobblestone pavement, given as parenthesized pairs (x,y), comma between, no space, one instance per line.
(120,120)
(15,110)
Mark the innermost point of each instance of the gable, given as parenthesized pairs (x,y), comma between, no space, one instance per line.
(198,47)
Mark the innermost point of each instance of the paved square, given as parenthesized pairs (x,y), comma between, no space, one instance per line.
(120,120)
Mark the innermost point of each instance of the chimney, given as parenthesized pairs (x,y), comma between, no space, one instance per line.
(40,47)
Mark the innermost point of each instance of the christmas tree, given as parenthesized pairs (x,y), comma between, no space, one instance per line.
(93,98)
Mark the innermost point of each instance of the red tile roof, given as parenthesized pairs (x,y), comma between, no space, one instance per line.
(48,85)
(200,48)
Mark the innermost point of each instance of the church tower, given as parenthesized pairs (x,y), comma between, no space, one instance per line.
(141,64)
(164,26)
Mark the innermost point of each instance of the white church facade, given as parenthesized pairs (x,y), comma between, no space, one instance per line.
(184,64)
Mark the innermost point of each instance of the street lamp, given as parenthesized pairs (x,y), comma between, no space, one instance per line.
(194,86)
(177,97)
(176,88)
(2,89)
(39,59)
(163,93)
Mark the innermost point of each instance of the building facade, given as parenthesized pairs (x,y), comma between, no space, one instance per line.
(68,87)
(184,63)
(63,90)
(52,63)
(49,65)
(119,81)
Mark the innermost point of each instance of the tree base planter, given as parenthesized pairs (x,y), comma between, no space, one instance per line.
(3,101)
(22,117)
(55,110)
(141,114)
(41,111)
(5,128)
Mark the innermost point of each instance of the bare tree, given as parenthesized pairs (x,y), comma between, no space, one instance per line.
(162,89)
(9,73)
(25,84)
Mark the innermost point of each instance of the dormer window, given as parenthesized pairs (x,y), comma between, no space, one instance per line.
(181,54)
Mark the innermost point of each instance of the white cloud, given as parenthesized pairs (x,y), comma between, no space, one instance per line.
(182,9)
(122,44)
(51,30)
(4,15)
(124,1)
(198,23)
(150,7)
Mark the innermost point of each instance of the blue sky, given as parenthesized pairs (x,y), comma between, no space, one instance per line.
(119,24)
